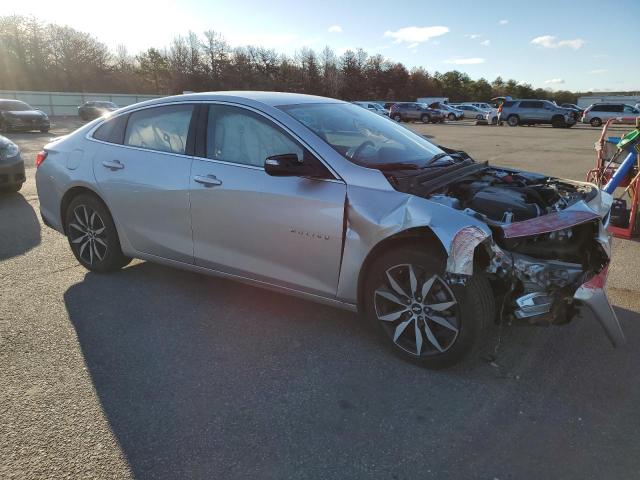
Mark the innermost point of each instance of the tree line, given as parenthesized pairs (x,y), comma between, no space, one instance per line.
(39,56)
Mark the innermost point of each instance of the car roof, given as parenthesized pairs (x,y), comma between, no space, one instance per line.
(267,98)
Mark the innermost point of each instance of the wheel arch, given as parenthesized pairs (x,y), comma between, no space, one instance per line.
(72,193)
(409,236)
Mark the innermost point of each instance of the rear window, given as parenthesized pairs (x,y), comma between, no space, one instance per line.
(112,131)
(508,104)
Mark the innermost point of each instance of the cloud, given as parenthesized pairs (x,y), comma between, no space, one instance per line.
(549,41)
(598,71)
(503,22)
(413,45)
(465,61)
(554,81)
(335,29)
(473,36)
(416,34)
(485,43)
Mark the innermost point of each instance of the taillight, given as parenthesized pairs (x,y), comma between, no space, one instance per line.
(40,157)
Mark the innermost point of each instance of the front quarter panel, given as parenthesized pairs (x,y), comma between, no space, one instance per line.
(375,215)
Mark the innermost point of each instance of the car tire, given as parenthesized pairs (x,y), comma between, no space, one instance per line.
(92,235)
(460,317)
(44,130)
(513,121)
(397,118)
(451,117)
(479,117)
(595,122)
(425,118)
(558,122)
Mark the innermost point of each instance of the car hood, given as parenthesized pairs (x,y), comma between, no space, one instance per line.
(513,202)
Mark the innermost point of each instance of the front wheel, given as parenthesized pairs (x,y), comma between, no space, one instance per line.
(451,117)
(92,235)
(418,314)
(397,118)
(595,122)
(425,118)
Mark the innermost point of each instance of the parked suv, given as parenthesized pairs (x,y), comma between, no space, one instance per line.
(532,112)
(601,112)
(406,112)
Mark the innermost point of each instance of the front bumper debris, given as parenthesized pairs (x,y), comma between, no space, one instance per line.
(592,296)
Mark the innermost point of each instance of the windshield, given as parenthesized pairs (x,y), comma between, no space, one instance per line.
(14,106)
(364,137)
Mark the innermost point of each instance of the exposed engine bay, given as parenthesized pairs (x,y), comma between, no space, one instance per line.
(546,240)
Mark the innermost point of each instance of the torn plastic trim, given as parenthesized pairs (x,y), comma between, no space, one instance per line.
(462,249)
(548,223)
(591,295)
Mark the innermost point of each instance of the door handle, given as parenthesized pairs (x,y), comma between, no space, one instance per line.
(208,180)
(113,165)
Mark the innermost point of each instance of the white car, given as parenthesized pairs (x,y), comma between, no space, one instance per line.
(471,111)
(599,113)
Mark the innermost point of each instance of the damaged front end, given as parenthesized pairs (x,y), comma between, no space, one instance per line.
(549,251)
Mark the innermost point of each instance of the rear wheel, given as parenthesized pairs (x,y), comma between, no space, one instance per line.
(558,122)
(513,121)
(44,130)
(418,314)
(451,117)
(425,118)
(397,118)
(595,122)
(92,235)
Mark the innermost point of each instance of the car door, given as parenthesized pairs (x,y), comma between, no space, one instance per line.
(145,179)
(286,231)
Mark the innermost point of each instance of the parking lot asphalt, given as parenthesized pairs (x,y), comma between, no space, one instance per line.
(157,373)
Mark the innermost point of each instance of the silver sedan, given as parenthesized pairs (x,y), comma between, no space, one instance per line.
(323,199)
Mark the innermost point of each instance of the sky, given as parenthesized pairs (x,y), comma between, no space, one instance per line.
(577,45)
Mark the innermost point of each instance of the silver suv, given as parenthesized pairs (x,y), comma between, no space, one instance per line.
(532,112)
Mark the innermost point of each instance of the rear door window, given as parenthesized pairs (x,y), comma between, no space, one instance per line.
(163,129)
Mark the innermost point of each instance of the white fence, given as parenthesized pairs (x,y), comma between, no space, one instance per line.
(67,103)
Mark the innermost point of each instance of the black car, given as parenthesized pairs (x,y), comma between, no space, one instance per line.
(410,111)
(11,166)
(17,115)
(95,109)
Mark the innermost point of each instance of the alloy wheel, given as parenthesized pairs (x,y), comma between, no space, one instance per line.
(87,234)
(418,310)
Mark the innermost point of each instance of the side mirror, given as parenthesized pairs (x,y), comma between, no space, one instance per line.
(288,165)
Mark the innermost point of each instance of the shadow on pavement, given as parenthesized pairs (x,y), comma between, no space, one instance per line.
(206,378)
(19,226)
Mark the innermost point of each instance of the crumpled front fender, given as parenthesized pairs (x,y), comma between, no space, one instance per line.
(371,219)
